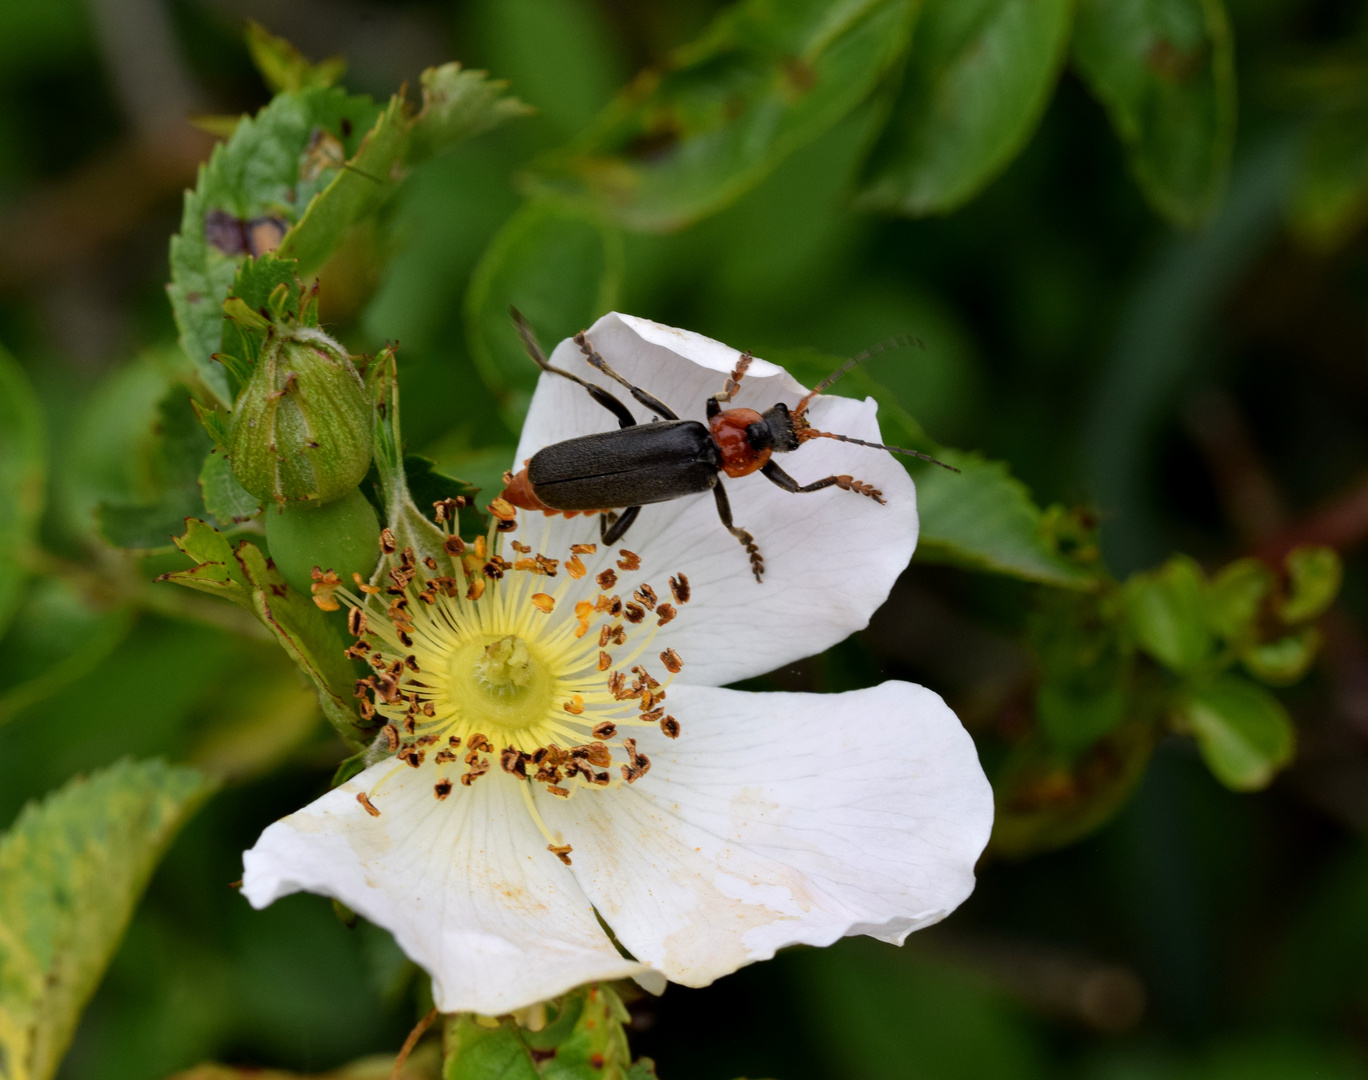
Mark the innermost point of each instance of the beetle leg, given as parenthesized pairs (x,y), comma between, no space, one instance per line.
(777,476)
(733,383)
(610,532)
(534,350)
(757,560)
(649,400)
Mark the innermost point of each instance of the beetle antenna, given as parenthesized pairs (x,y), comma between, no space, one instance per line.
(812,433)
(899,342)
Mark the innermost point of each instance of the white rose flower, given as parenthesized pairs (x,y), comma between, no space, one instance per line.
(564,747)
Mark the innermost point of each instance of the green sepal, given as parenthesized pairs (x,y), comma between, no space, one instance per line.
(349,767)
(583,1039)
(215,421)
(1285,660)
(411,527)
(224,497)
(1235,599)
(1086,662)
(311,639)
(458,104)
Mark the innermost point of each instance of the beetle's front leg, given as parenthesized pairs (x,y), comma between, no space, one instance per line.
(757,560)
(777,476)
(611,531)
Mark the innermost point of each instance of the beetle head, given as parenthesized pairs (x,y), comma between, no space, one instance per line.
(773,431)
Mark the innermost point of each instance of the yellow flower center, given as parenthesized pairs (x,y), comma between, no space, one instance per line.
(488,669)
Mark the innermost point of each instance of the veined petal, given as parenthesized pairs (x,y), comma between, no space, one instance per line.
(465,884)
(831,556)
(778,819)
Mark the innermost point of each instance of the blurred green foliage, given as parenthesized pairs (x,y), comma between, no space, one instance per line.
(1143,351)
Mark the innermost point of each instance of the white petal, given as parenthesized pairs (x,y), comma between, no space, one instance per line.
(831,557)
(466,885)
(778,819)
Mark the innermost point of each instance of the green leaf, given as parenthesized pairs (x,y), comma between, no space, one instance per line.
(23,478)
(583,1039)
(224,497)
(286,68)
(457,105)
(979,76)
(253,189)
(1244,734)
(763,79)
(216,570)
(1235,597)
(983,518)
(1284,661)
(180,449)
(59,635)
(1165,71)
(72,869)
(561,270)
(1167,610)
(1314,575)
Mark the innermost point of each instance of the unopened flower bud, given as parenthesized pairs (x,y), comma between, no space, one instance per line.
(302,427)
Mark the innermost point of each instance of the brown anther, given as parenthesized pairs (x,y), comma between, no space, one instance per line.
(596,753)
(645,596)
(454,741)
(607,579)
(378,661)
(357,651)
(442,788)
(614,607)
(672,662)
(599,779)
(503,510)
(494,568)
(356,622)
(411,662)
(369,590)
(369,806)
(561,851)
(477,770)
(583,549)
(479,742)
(634,613)
(401,631)
(388,544)
(543,602)
(481,548)
(617,682)
(574,566)
(429,709)
(367,710)
(575,706)
(605,730)
(410,724)
(391,734)
(444,757)
(559,792)
(476,589)
(428,740)
(548,566)
(612,635)
(453,545)
(665,612)
(670,726)
(630,560)
(527,564)
(323,587)
(428,597)
(514,761)
(679,588)
(412,756)
(604,661)
(521,549)
(430,563)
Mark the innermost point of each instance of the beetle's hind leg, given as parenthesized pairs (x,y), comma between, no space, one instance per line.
(598,393)
(613,527)
(596,361)
(757,560)
(777,476)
